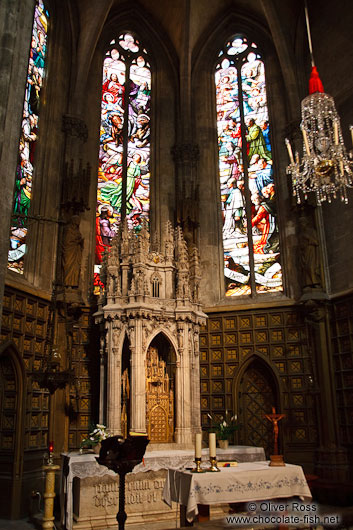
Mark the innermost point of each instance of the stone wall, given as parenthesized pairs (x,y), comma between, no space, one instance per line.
(96,500)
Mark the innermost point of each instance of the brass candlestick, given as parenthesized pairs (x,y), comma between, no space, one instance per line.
(198,469)
(213,462)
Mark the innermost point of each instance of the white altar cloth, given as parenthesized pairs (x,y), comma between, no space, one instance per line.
(249,481)
(85,465)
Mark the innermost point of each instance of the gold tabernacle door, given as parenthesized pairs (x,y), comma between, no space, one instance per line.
(159,399)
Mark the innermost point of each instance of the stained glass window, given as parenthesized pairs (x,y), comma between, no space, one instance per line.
(28,139)
(252,262)
(124,154)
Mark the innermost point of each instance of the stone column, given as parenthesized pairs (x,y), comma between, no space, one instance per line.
(102,358)
(114,378)
(331,460)
(183,433)
(16,19)
(138,377)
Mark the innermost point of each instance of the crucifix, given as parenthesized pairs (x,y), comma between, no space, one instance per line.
(274,418)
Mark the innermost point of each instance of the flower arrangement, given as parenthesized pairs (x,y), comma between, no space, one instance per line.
(226,427)
(98,433)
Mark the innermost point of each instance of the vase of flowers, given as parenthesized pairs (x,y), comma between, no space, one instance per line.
(224,429)
(93,441)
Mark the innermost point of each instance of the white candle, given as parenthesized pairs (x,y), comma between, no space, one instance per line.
(212,444)
(198,445)
(351,128)
(290,152)
(335,132)
(306,143)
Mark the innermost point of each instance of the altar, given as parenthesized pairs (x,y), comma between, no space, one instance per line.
(249,481)
(89,492)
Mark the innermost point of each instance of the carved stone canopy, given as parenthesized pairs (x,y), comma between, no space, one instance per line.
(152,289)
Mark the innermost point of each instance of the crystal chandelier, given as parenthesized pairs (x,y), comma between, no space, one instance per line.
(325,168)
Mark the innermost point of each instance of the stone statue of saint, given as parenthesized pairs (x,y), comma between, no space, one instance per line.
(309,254)
(72,253)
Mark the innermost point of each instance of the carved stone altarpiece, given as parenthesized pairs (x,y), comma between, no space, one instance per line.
(152,290)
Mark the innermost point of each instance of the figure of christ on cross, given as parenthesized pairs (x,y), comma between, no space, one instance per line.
(274,418)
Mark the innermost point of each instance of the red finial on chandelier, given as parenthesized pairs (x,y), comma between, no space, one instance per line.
(315,84)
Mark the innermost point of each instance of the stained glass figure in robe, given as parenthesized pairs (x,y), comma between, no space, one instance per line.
(240,57)
(125,67)
(28,139)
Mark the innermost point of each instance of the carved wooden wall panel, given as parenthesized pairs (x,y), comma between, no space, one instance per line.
(83,392)
(278,335)
(24,321)
(8,404)
(257,396)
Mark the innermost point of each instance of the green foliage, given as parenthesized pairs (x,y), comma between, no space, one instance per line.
(225,428)
(97,434)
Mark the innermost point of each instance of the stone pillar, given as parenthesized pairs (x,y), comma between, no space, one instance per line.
(183,432)
(16,19)
(138,377)
(114,379)
(331,459)
(102,357)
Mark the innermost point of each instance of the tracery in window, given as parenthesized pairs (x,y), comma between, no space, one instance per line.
(124,154)
(28,139)
(248,191)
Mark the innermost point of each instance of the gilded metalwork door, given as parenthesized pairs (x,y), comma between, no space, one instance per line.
(159,398)
(257,397)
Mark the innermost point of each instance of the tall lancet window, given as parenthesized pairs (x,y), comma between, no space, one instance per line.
(124,154)
(28,139)
(248,193)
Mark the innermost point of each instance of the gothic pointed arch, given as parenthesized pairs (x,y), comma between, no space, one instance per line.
(26,163)
(256,390)
(12,406)
(154,108)
(129,183)
(209,52)
(163,336)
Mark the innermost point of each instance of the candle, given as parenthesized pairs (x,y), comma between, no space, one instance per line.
(335,132)
(198,445)
(351,128)
(290,152)
(306,143)
(212,444)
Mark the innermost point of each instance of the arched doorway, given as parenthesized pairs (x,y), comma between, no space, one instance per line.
(257,394)
(12,383)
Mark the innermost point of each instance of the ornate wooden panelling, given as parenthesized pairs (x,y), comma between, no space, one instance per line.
(24,321)
(8,399)
(342,345)
(277,335)
(85,362)
(257,398)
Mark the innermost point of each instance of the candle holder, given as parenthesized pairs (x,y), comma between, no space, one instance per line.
(198,469)
(213,462)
